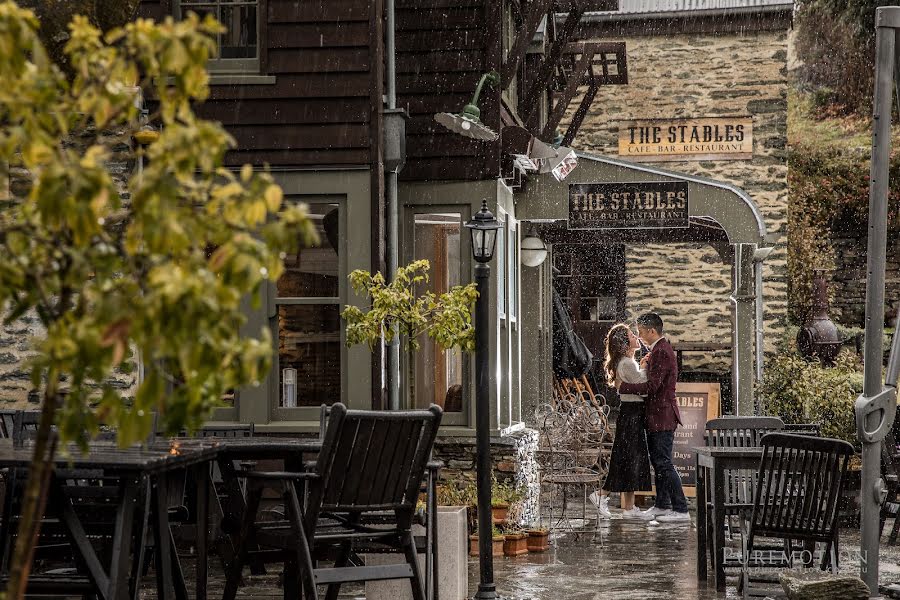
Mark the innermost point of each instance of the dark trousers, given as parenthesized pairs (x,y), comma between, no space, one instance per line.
(669,494)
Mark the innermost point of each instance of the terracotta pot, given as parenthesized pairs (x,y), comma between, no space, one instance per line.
(515,544)
(497,545)
(499,513)
(473,545)
(538,540)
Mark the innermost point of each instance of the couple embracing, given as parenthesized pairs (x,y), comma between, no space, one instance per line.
(645,427)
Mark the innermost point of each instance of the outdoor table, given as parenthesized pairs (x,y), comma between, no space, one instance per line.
(135,466)
(712,464)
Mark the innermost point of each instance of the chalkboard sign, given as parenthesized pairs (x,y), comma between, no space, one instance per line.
(698,403)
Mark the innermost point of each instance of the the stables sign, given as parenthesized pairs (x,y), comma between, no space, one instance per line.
(687,139)
(645,204)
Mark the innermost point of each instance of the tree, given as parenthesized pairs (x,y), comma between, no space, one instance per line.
(157,264)
(397,309)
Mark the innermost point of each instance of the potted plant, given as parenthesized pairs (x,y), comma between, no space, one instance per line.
(538,539)
(502,496)
(497,541)
(515,543)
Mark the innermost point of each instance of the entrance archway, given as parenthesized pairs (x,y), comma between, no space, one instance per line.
(718,214)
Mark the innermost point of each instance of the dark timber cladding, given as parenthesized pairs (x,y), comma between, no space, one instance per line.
(443,47)
(318,110)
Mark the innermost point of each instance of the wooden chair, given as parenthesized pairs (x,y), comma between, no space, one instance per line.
(798,489)
(812,429)
(361,493)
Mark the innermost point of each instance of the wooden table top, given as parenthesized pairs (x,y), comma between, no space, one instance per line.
(106,455)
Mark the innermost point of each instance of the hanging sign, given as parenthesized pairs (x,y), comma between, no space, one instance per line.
(643,204)
(718,138)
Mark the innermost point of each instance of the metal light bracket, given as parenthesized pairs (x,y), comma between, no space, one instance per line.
(885,403)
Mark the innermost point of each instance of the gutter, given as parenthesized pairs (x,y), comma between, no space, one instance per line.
(598,17)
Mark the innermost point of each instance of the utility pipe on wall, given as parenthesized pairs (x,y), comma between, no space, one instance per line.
(393,211)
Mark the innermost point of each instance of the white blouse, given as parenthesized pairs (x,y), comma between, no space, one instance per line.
(628,371)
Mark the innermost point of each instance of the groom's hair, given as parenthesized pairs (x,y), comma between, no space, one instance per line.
(651,321)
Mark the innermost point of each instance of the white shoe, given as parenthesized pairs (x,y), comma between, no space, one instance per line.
(674,517)
(653,512)
(602,504)
(634,514)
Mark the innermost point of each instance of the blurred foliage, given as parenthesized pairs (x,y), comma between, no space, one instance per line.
(800,391)
(158,266)
(836,44)
(829,189)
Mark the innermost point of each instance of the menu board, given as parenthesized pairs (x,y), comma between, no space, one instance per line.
(697,403)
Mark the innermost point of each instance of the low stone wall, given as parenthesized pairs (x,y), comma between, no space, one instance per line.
(514,463)
(847,283)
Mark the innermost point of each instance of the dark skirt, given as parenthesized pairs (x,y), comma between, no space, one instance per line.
(629,466)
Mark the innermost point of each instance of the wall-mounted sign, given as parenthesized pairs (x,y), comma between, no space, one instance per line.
(718,138)
(644,204)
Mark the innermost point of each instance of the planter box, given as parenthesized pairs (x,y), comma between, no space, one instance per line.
(538,541)
(453,564)
(499,513)
(515,544)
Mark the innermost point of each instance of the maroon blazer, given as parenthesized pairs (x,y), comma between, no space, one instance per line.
(660,406)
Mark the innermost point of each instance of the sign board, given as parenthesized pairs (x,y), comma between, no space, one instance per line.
(698,403)
(717,138)
(642,204)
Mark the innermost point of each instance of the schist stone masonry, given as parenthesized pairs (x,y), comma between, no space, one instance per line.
(628,205)
(680,139)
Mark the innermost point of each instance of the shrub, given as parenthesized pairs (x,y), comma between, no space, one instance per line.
(800,391)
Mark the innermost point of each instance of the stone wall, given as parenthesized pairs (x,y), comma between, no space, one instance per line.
(703,75)
(847,283)
(514,462)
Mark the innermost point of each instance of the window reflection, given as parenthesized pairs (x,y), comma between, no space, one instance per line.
(313,271)
(438,372)
(309,342)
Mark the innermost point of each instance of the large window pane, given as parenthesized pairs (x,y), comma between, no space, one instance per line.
(438,372)
(513,256)
(309,354)
(314,271)
(500,257)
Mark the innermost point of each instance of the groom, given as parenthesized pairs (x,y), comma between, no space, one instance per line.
(662,418)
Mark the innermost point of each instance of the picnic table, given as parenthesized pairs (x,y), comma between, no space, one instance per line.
(136,468)
(712,465)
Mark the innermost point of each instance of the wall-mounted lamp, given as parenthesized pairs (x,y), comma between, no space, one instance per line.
(468,122)
(534,251)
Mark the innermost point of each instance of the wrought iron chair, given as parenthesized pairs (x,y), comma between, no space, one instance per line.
(361,494)
(798,489)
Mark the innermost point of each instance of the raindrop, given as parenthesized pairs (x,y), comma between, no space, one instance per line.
(264,271)
(101,221)
(140,413)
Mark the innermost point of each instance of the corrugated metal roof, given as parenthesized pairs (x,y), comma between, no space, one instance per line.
(687,6)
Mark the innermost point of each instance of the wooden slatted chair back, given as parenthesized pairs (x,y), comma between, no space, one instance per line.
(739,432)
(373,460)
(798,488)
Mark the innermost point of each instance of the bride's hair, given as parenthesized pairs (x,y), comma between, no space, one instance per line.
(616,349)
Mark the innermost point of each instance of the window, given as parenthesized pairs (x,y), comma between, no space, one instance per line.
(501,268)
(439,372)
(239,44)
(512,256)
(307,315)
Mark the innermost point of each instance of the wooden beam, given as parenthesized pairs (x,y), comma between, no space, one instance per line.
(559,109)
(579,115)
(545,71)
(537,10)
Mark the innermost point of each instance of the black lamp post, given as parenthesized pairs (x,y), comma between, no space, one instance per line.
(483,227)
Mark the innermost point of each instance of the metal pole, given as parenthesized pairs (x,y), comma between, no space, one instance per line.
(393,211)
(486,588)
(870,419)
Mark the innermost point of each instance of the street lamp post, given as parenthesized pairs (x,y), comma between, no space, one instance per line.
(483,227)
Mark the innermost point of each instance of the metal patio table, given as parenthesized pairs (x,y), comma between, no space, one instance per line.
(712,464)
(136,467)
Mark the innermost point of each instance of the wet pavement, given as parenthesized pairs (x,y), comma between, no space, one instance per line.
(633,560)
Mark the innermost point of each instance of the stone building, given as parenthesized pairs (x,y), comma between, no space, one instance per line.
(689,60)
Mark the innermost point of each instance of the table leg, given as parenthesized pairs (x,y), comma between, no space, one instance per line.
(701,522)
(139,558)
(718,488)
(164,584)
(122,540)
(202,477)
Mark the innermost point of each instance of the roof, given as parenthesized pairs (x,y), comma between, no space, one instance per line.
(672,8)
